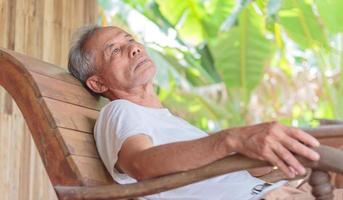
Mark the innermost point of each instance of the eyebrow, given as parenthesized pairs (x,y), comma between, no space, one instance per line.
(128,35)
(111,44)
(108,46)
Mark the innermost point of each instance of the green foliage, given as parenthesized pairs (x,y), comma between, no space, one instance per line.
(301,24)
(331,14)
(242,53)
(246,61)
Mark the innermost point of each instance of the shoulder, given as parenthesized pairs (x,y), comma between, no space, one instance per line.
(118,116)
(121,110)
(118,106)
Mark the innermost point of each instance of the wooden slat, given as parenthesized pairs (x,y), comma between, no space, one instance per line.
(67,92)
(336,142)
(18,82)
(33,42)
(12,19)
(43,68)
(330,121)
(22,174)
(71,116)
(79,143)
(4,36)
(337,179)
(90,170)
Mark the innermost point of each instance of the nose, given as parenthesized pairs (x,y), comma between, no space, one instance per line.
(135,50)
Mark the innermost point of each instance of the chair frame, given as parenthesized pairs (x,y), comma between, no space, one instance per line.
(16,78)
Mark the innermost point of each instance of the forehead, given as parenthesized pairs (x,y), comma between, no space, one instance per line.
(101,36)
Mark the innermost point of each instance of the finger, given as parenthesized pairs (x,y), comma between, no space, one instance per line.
(303,137)
(275,160)
(298,148)
(290,159)
(293,170)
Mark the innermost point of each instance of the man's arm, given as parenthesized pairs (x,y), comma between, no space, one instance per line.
(141,160)
(267,141)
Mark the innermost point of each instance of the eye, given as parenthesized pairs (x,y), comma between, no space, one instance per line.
(115,50)
(131,40)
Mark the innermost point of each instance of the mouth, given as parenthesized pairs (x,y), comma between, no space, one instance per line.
(142,62)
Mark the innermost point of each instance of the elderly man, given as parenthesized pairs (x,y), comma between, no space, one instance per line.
(137,138)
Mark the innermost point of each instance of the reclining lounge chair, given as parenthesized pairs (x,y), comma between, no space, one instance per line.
(60,114)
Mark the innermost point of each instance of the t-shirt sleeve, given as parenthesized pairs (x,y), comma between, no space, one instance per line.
(113,127)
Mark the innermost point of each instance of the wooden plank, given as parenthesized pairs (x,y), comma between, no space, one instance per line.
(336,142)
(19,31)
(66,14)
(6,102)
(56,42)
(330,121)
(22,174)
(35,8)
(71,116)
(5,179)
(4,26)
(33,38)
(67,92)
(38,119)
(12,19)
(65,44)
(48,10)
(44,68)
(57,11)
(337,179)
(90,170)
(79,143)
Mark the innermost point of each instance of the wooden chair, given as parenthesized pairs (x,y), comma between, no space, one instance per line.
(60,114)
(336,179)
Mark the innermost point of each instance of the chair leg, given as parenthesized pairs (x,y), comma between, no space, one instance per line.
(321,186)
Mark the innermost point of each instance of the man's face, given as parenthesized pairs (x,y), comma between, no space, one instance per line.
(122,62)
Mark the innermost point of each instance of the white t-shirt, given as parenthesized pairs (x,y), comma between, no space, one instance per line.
(121,119)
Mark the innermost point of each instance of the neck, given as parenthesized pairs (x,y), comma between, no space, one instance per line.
(144,96)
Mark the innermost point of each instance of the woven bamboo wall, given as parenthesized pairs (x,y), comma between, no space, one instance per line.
(39,28)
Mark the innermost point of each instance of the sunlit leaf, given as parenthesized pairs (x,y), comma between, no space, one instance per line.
(186,17)
(331,13)
(243,52)
(216,12)
(301,24)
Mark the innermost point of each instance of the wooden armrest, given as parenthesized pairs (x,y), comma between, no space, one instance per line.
(331,160)
(326,131)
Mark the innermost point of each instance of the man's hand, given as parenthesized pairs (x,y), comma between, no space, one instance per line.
(275,143)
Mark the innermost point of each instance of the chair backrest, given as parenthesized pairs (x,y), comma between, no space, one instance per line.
(60,113)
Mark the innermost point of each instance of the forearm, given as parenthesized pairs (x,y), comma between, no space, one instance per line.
(266,141)
(181,156)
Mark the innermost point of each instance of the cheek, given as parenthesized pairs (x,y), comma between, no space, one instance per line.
(117,77)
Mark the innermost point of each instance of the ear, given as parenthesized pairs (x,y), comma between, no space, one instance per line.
(96,84)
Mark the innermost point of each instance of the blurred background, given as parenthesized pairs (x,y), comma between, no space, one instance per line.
(221,63)
(234,62)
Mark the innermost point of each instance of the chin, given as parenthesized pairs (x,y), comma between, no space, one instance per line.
(146,76)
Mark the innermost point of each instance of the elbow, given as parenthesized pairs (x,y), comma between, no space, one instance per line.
(139,171)
(139,176)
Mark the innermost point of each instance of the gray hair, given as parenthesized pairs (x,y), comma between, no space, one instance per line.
(81,62)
